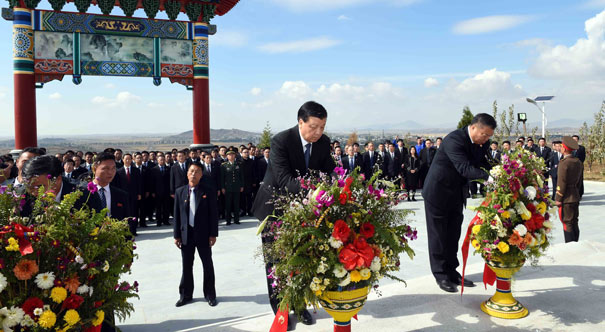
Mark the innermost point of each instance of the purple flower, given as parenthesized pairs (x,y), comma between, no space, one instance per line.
(48,176)
(341,183)
(92,187)
(340,171)
(3,189)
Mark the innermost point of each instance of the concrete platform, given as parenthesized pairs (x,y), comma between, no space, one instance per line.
(566,293)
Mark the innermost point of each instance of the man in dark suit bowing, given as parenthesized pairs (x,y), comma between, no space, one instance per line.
(460,159)
(195,227)
(294,152)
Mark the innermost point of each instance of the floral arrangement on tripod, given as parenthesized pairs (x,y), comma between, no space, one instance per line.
(60,268)
(339,233)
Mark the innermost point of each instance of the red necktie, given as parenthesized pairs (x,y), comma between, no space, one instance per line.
(128,173)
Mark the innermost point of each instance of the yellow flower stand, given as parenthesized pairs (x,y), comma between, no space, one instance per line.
(342,306)
(503,304)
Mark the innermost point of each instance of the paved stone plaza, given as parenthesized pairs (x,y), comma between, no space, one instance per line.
(565,294)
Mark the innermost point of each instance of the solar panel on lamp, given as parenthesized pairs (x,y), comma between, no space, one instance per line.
(544,98)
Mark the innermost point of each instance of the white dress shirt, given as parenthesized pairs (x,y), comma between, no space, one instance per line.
(192,207)
(107,197)
(304,142)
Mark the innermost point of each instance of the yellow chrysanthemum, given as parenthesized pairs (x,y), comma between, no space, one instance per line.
(475,244)
(318,292)
(58,294)
(526,216)
(505,215)
(13,245)
(100,318)
(476,229)
(541,208)
(71,317)
(47,319)
(503,247)
(355,276)
(95,232)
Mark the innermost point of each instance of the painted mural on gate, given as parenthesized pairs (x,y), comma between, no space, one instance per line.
(115,48)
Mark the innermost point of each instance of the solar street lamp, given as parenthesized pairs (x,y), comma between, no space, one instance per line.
(535,101)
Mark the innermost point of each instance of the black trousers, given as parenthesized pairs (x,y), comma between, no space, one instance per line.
(273,300)
(554,187)
(162,208)
(443,229)
(568,213)
(221,205)
(232,205)
(246,200)
(188,256)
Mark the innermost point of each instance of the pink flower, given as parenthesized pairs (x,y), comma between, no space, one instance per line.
(92,187)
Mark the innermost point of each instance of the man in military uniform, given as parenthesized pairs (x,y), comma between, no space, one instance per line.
(232,184)
(567,196)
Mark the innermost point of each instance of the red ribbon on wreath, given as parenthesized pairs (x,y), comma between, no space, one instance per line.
(21,232)
(489,276)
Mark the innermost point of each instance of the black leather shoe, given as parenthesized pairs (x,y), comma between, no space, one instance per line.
(182,301)
(447,286)
(290,324)
(306,317)
(467,282)
(237,222)
(228,222)
(212,302)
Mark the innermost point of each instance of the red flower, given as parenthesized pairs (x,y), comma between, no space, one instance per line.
(73,302)
(536,222)
(356,254)
(341,231)
(367,230)
(32,304)
(531,207)
(343,199)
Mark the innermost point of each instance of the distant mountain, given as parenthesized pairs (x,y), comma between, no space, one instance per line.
(407,125)
(218,135)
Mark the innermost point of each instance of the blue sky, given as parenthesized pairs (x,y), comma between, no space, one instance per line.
(370,62)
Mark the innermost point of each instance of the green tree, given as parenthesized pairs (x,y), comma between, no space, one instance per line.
(265,138)
(594,142)
(467,117)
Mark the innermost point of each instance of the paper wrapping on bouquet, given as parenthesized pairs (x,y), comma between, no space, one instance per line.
(280,323)
(489,276)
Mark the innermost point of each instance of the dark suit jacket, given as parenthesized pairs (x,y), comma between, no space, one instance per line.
(424,158)
(145,179)
(120,208)
(368,164)
(392,165)
(134,187)
(457,161)
(214,177)
(178,177)
(347,165)
(554,164)
(206,214)
(287,163)
(497,158)
(260,165)
(248,172)
(580,153)
(79,171)
(160,182)
(67,188)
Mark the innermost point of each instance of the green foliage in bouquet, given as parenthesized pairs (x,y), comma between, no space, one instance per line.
(513,222)
(60,268)
(339,233)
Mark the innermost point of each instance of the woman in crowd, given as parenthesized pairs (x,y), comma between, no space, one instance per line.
(412,167)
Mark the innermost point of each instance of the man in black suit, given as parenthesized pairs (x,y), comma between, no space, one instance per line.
(544,152)
(293,153)
(68,168)
(261,166)
(79,169)
(426,159)
(249,183)
(461,157)
(351,161)
(555,157)
(110,196)
(212,173)
(495,155)
(178,173)
(160,192)
(370,158)
(130,180)
(195,227)
(393,163)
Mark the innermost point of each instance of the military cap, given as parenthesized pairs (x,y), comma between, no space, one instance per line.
(231,150)
(570,143)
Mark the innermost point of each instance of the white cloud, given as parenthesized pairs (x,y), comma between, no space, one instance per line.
(295,89)
(110,86)
(55,96)
(490,23)
(585,59)
(343,18)
(122,100)
(324,5)
(431,82)
(229,38)
(489,85)
(299,46)
(599,4)
(256,91)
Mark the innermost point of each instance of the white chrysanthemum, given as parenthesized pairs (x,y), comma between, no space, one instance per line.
(339,271)
(27,321)
(90,290)
(335,243)
(498,226)
(314,287)
(82,290)
(375,266)
(316,280)
(496,171)
(326,281)
(13,317)
(38,311)
(345,281)
(521,229)
(79,259)
(322,268)
(531,192)
(512,213)
(106,266)
(3,282)
(45,280)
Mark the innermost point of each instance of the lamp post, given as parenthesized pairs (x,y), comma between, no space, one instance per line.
(543,99)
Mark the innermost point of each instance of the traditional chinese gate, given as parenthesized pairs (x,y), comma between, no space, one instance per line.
(47,45)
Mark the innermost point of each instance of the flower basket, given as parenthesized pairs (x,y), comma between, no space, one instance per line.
(343,306)
(503,304)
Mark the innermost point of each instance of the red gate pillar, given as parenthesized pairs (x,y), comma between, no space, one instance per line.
(201,91)
(24,79)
